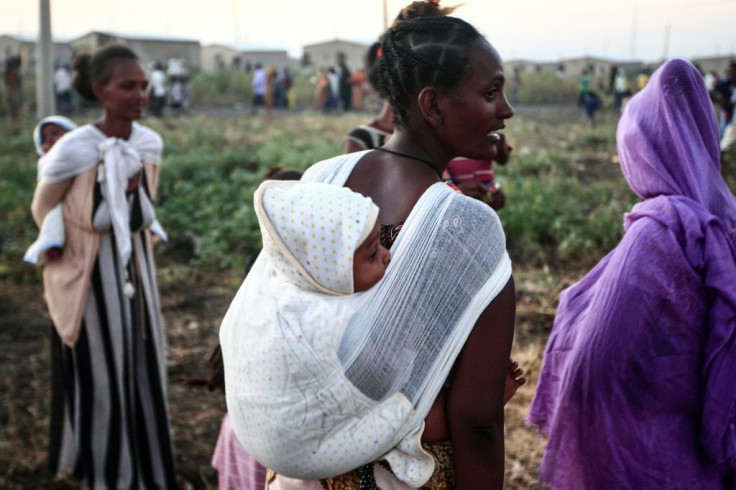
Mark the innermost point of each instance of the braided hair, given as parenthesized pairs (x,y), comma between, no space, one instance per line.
(423,47)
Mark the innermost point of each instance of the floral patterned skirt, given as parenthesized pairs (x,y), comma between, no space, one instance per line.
(363,478)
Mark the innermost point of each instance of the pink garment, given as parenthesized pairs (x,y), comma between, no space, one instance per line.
(466,170)
(237,470)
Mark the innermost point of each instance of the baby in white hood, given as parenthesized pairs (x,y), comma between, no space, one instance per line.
(321,237)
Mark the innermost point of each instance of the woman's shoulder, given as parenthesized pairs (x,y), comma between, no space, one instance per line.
(148,142)
(335,170)
(75,152)
(146,136)
(80,144)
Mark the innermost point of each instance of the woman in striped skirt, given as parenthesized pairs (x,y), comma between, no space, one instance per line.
(110,422)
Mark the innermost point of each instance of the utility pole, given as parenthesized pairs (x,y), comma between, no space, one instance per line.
(45,103)
(666,41)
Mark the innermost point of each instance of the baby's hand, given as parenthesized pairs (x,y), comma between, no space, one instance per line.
(514,380)
(53,253)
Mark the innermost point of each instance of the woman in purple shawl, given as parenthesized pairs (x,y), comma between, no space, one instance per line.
(638,386)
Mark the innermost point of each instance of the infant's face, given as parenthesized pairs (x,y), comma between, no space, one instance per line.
(369,262)
(50,133)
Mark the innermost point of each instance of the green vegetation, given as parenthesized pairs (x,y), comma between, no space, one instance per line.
(565,193)
(547,88)
(232,88)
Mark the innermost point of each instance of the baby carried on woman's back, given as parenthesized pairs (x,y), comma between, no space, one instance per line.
(314,385)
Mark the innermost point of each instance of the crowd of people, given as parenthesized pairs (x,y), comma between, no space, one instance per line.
(369,344)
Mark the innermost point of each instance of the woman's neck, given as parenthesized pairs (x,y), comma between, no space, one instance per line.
(412,143)
(115,128)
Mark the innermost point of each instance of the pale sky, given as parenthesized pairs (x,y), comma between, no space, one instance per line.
(544,30)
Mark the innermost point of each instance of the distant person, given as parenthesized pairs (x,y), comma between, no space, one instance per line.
(344,91)
(176,94)
(583,87)
(258,84)
(101,290)
(637,386)
(711,79)
(357,89)
(620,89)
(724,92)
(591,104)
(157,91)
(321,89)
(63,89)
(613,71)
(178,75)
(476,178)
(13,86)
(515,85)
(378,131)
(272,87)
(332,103)
(285,83)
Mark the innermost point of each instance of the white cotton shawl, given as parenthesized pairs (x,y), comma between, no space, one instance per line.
(118,160)
(316,392)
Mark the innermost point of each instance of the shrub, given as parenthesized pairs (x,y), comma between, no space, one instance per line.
(547,88)
(565,199)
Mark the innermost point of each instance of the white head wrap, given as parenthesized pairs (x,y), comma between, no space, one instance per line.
(63,122)
(318,385)
(311,231)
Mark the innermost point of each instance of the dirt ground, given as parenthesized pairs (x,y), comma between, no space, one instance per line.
(193,308)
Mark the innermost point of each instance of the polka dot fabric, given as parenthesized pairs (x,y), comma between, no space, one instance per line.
(321,384)
(311,231)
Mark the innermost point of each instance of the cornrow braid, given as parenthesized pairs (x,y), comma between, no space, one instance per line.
(422,51)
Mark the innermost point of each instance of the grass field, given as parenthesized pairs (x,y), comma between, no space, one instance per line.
(565,201)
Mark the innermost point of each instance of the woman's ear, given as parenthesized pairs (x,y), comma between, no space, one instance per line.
(97,90)
(429,106)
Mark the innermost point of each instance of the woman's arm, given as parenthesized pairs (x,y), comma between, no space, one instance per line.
(46,197)
(476,397)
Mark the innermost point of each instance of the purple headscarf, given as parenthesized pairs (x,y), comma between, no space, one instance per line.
(638,385)
(668,142)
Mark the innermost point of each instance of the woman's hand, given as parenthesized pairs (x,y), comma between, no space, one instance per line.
(52,253)
(496,200)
